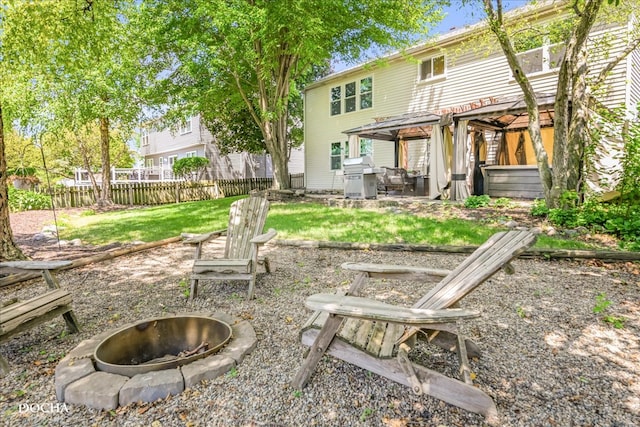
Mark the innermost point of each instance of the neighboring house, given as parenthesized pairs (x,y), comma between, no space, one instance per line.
(161,148)
(390,111)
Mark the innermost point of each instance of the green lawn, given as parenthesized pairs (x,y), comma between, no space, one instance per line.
(295,221)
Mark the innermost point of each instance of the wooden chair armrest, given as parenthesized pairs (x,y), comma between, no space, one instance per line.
(35,265)
(264,238)
(369,309)
(390,269)
(200,238)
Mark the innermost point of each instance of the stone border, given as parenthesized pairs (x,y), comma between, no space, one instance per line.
(78,382)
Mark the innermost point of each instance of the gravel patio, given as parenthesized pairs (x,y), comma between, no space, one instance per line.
(548,359)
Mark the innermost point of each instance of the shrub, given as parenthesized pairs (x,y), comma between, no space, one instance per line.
(564,217)
(23,200)
(189,167)
(503,202)
(539,208)
(473,202)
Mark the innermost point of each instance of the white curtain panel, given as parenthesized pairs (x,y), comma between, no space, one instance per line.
(459,186)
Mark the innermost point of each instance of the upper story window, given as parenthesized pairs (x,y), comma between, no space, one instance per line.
(144,137)
(432,68)
(540,49)
(185,126)
(352,96)
(541,59)
(190,154)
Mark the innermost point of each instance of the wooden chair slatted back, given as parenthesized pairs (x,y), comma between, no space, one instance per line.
(483,263)
(246,221)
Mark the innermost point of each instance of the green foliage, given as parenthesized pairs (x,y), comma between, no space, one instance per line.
(503,202)
(564,217)
(247,60)
(539,208)
(473,202)
(22,171)
(190,167)
(602,304)
(630,183)
(22,200)
(622,219)
(366,413)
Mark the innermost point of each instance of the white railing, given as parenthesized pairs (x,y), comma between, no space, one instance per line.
(142,174)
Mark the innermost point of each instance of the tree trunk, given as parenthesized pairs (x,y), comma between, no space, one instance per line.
(105,193)
(87,165)
(8,249)
(496,25)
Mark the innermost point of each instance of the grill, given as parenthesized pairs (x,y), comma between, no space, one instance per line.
(360,181)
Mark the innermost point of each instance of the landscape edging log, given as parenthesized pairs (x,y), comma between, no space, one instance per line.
(79,262)
(611,256)
(530,253)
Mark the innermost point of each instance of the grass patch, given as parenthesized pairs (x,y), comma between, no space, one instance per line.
(295,221)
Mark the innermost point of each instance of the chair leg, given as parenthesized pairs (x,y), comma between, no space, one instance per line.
(4,366)
(316,351)
(252,285)
(193,293)
(72,323)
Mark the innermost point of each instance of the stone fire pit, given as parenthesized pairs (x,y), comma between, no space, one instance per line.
(151,359)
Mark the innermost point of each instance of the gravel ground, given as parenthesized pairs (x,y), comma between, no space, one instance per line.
(548,359)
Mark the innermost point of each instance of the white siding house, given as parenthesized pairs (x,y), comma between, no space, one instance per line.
(161,148)
(448,75)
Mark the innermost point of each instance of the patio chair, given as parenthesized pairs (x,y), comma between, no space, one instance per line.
(244,238)
(378,337)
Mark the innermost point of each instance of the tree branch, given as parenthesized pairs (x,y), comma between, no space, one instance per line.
(615,61)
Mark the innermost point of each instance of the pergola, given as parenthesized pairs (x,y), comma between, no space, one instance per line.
(507,114)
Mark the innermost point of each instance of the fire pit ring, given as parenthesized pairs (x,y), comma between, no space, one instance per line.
(160,343)
(79,379)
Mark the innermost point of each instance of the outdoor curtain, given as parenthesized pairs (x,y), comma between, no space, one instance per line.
(354,146)
(438,179)
(459,189)
(502,155)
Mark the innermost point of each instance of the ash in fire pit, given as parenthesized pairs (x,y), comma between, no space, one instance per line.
(161,343)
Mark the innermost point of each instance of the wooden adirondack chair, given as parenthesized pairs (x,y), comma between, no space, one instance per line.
(378,336)
(244,239)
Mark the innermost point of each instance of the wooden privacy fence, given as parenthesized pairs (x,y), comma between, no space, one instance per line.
(157,193)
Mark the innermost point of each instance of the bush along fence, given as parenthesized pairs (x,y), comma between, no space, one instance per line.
(157,193)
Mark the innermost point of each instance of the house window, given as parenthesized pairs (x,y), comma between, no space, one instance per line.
(172,160)
(366,93)
(339,151)
(190,154)
(149,163)
(185,126)
(432,68)
(145,137)
(366,147)
(541,59)
(336,100)
(540,49)
(352,96)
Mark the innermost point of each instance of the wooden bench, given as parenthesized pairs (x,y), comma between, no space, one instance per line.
(21,316)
